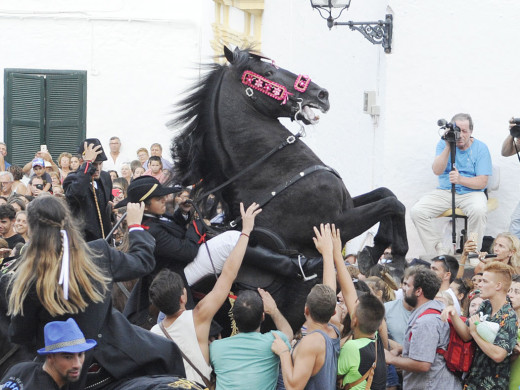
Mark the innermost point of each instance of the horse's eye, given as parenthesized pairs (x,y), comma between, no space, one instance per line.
(269,73)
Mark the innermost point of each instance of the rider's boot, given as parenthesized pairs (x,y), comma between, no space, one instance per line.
(369,256)
(293,267)
(366,259)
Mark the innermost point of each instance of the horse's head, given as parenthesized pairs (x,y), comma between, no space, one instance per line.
(276,92)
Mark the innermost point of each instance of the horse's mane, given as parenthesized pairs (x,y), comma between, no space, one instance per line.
(193,117)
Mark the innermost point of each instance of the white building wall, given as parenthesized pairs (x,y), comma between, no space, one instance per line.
(447,57)
(139,57)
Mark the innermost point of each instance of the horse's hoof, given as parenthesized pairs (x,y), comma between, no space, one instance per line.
(365,260)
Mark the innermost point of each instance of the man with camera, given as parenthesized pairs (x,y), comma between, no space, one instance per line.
(511,146)
(470,175)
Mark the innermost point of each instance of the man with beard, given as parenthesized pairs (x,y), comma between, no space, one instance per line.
(423,367)
(64,352)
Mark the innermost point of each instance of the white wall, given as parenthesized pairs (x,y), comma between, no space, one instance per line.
(447,57)
(139,57)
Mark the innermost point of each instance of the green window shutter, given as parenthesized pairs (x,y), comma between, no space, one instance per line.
(24,116)
(65,112)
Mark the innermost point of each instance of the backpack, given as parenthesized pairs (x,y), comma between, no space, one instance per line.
(459,354)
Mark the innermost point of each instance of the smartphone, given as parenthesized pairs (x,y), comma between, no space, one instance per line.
(43,148)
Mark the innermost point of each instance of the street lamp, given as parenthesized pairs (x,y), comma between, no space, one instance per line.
(379,33)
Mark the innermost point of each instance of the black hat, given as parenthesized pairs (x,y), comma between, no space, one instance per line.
(100,157)
(145,187)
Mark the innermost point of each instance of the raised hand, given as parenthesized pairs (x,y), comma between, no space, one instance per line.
(91,151)
(269,303)
(248,217)
(323,239)
(336,239)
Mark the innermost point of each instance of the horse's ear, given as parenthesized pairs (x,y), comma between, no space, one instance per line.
(229,54)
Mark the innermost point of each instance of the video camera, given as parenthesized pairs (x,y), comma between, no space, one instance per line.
(452,133)
(515,130)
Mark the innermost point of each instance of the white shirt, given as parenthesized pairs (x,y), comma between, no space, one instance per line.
(111,165)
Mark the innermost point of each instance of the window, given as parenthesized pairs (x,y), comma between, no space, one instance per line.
(43,107)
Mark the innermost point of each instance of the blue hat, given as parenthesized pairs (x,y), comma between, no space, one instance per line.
(65,336)
(38,161)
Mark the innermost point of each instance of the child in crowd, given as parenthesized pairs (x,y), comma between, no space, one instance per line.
(38,166)
(366,315)
(137,169)
(155,169)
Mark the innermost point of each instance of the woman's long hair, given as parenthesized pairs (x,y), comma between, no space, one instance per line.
(40,264)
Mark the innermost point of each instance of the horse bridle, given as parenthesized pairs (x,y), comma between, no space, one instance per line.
(279,92)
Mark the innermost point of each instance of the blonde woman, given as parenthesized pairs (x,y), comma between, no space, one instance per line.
(506,246)
(61,276)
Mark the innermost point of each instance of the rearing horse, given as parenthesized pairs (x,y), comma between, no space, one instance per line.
(231,121)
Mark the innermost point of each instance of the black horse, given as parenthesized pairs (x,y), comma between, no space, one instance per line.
(230,122)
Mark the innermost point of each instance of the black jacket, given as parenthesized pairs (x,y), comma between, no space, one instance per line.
(78,191)
(175,247)
(123,349)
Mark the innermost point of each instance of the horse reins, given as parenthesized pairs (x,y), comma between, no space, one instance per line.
(288,141)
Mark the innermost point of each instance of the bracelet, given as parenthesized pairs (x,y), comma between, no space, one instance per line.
(243,234)
(136,226)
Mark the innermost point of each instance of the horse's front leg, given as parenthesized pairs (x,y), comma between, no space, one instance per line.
(373,196)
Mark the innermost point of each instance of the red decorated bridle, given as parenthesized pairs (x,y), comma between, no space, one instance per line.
(274,90)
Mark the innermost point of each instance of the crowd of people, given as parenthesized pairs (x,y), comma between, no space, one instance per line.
(92,219)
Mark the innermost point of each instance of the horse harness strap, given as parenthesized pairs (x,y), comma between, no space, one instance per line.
(288,141)
(267,198)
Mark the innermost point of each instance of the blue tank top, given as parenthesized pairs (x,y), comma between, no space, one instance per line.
(325,379)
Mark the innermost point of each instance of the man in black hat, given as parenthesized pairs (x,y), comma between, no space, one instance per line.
(89,191)
(185,250)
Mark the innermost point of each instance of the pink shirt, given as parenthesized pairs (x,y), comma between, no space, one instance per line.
(160,176)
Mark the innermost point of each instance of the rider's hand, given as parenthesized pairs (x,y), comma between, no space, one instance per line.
(323,239)
(248,217)
(134,213)
(91,151)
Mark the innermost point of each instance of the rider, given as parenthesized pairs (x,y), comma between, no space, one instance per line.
(186,252)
